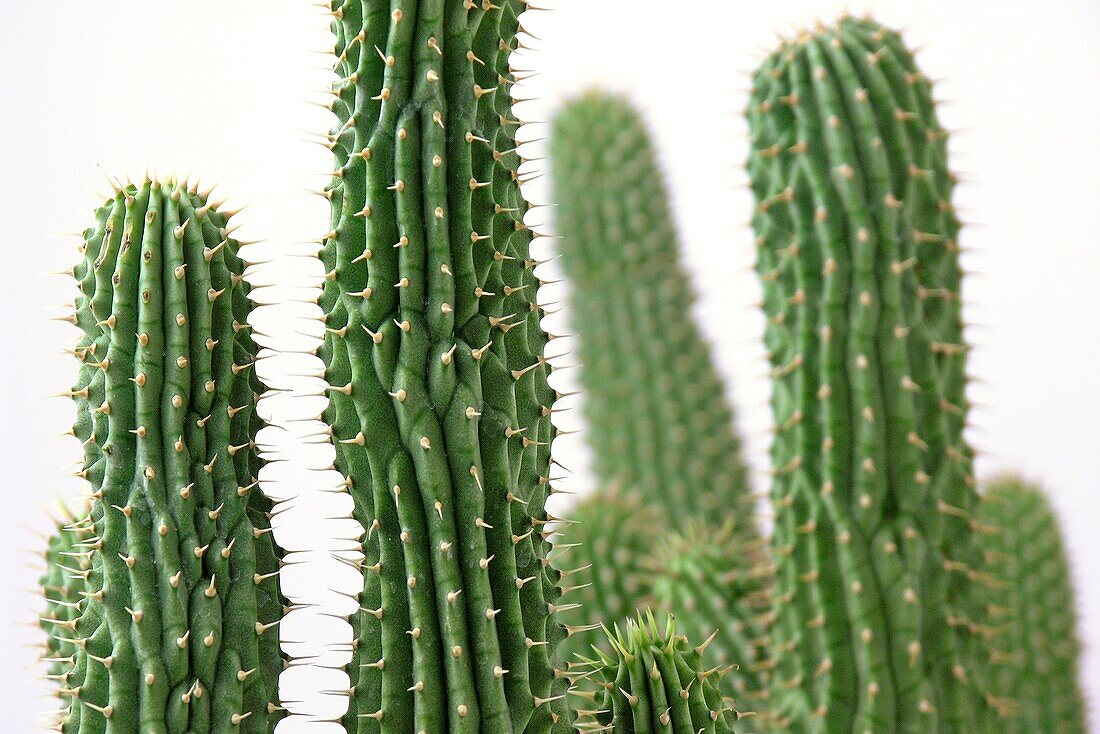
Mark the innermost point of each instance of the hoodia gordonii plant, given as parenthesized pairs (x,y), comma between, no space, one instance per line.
(439,403)
(660,426)
(654,681)
(176,565)
(1037,662)
(879,621)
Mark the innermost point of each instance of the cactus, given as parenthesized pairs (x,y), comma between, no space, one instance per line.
(177,565)
(721,586)
(1038,651)
(654,681)
(439,403)
(613,534)
(879,625)
(660,426)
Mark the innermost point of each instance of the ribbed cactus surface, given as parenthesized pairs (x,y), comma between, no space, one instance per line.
(718,585)
(660,425)
(879,620)
(176,564)
(654,681)
(439,403)
(1038,650)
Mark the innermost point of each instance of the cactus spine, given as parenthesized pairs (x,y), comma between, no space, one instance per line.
(879,626)
(177,566)
(1038,659)
(654,681)
(439,403)
(660,426)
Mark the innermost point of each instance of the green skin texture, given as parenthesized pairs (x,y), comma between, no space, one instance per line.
(177,533)
(1037,665)
(879,622)
(659,425)
(613,533)
(719,585)
(653,681)
(439,402)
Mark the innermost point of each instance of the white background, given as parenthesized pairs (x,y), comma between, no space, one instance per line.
(221,88)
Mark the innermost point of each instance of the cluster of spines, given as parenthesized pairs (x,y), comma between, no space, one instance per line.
(1036,662)
(660,425)
(439,404)
(652,680)
(612,533)
(720,586)
(879,626)
(177,566)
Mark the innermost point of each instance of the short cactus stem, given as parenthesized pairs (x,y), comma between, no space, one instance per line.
(1037,656)
(880,624)
(168,632)
(653,680)
(439,402)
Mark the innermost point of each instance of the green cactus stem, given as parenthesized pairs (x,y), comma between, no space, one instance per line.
(439,404)
(613,534)
(659,423)
(880,625)
(1037,662)
(178,571)
(722,586)
(653,681)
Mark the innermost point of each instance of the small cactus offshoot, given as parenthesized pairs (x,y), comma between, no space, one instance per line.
(654,681)
(176,570)
(68,566)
